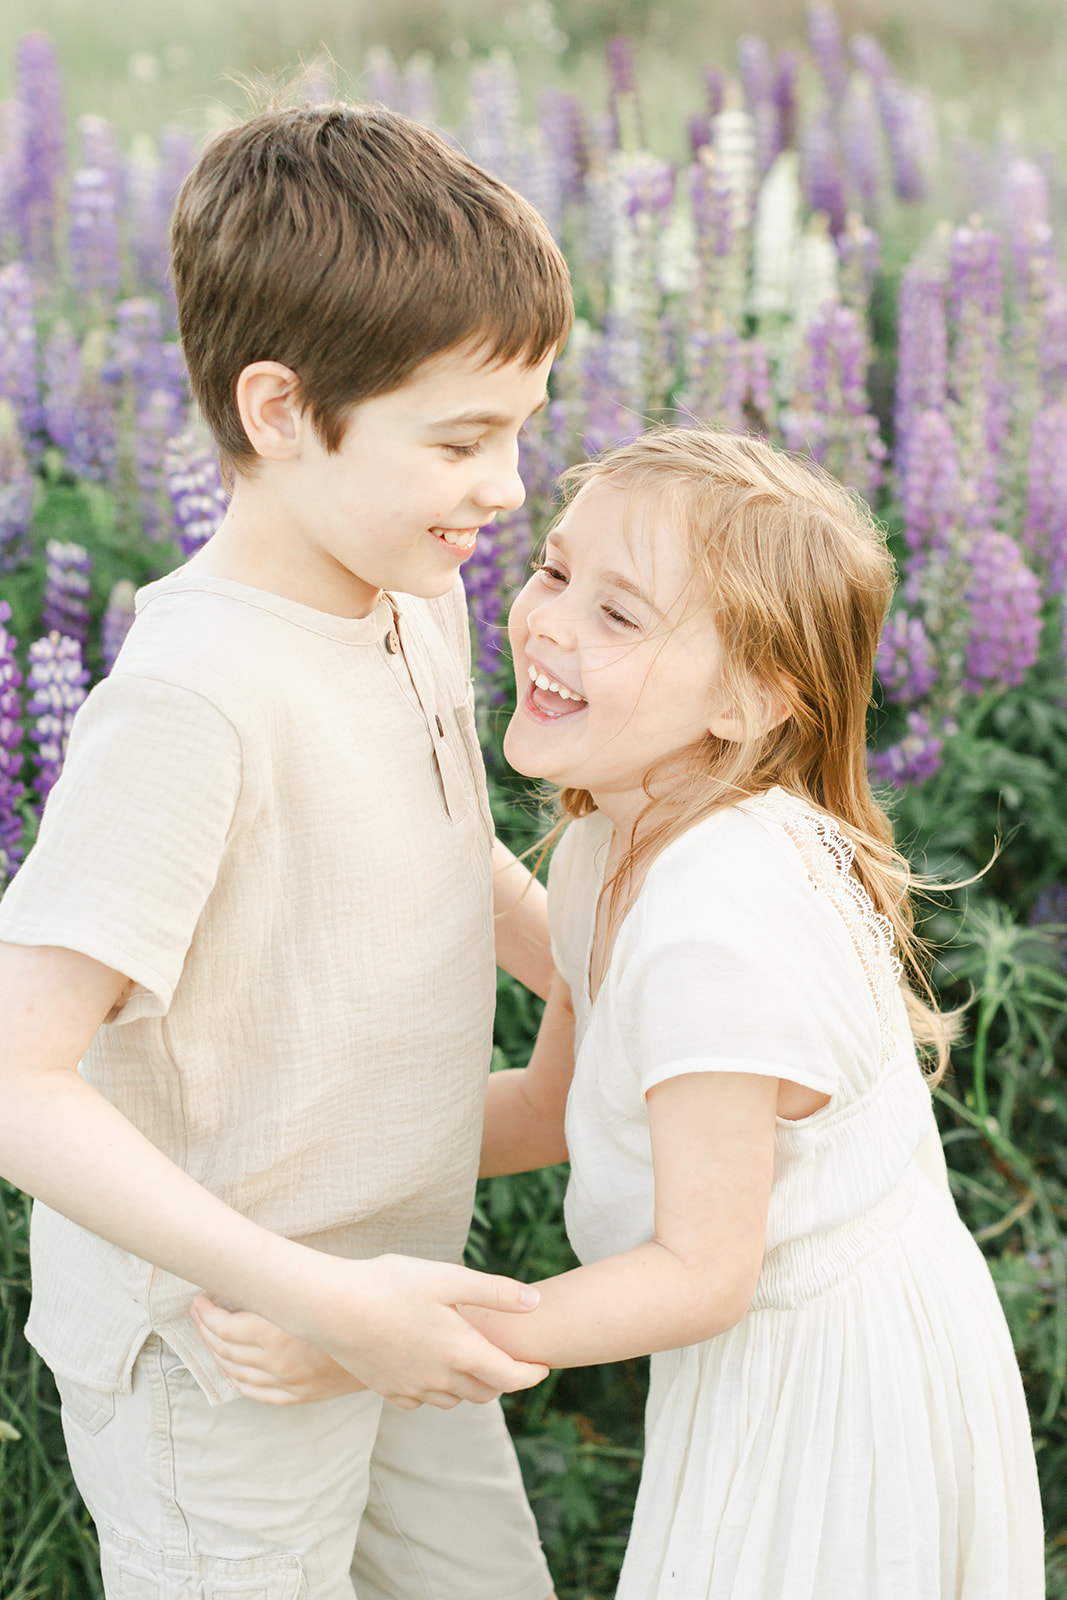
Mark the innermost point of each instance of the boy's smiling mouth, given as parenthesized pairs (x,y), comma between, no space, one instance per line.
(461,540)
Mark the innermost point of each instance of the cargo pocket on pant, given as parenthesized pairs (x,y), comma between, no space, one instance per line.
(91,1409)
(133,1571)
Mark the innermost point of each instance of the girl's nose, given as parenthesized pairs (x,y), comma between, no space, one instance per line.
(549,620)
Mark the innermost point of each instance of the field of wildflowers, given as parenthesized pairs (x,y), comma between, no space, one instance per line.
(831,265)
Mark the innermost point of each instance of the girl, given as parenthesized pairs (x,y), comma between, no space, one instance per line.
(757,1191)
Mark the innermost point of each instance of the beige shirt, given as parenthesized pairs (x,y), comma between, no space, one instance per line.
(278,828)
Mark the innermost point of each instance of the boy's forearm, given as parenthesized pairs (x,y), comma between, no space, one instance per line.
(520,909)
(626,1305)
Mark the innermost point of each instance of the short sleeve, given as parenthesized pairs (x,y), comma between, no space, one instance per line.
(132,836)
(732,971)
(559,875)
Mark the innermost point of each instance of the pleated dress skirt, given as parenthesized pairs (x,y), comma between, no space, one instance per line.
(861,1434)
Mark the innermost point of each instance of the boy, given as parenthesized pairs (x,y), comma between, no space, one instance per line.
(267,870)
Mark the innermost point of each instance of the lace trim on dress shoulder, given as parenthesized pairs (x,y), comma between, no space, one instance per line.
(828,855)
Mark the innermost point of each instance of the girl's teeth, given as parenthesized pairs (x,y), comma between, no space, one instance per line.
(543,681)
(458,536)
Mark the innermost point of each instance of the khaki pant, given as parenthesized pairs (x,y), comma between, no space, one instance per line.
(342,1498)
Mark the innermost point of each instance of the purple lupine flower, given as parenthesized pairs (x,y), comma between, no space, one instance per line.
(92,451)
(39,93)
(198,495)
(137,347)
(698,127)
(159,419)
(66,592)
(827,46)
(759,392)
(906,118)
(177,157)
(62,378)
(916,757)
(1045,528)
(16,492)
(860,145)
(495,133)
(785,98)
(11,786)
(869,56)
(56,681)
(928,483)
(100,149)
(93,236)
(380,81)
(608,419)
(906,663)
(563,130)
(830,415)
(715,90)
(1004,598)
(857,257)
(754,69)
(757,80)
(717,377)
(1054,343)
(922,346)
(619,53)
(1026,210)
(714,241)
(976,299)
(822,171)
(627,133)
(18,349)
(147,218)
(117,622)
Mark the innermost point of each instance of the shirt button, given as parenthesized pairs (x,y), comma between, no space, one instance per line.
(392,641)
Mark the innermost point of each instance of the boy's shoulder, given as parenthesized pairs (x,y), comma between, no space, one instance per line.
(240,647)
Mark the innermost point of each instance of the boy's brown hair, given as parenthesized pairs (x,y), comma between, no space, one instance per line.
(351,244)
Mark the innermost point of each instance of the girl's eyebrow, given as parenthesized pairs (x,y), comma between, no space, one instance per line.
(614,580)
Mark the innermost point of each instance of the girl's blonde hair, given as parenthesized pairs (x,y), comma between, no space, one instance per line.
(798,580)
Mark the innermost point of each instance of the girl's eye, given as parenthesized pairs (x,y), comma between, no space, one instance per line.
(548,570)
(461,452)
(617,616)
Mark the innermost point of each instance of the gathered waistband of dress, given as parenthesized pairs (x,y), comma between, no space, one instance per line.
(800,1270)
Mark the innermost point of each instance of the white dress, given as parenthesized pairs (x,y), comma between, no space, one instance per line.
(861,1433)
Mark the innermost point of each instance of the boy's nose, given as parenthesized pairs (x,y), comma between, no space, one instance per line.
(503,490)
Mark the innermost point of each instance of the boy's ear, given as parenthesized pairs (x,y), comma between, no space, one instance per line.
(268,403)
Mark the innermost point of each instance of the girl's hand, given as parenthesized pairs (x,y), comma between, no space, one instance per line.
(265,1363)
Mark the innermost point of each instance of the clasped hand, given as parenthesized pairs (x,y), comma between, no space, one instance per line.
(400,1335)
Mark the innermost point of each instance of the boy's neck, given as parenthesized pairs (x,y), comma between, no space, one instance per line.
(252,549)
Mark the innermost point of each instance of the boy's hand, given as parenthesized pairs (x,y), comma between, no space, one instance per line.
(391,1322)
(264,1362)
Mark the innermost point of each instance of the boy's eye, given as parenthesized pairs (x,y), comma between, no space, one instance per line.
(460,452)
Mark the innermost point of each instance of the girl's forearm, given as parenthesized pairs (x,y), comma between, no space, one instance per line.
(518,1135)
(626,1305)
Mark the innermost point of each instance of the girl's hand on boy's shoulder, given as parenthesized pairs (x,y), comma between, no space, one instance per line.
(264,1362)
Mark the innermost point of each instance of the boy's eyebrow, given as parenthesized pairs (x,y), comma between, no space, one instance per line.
(483,419)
